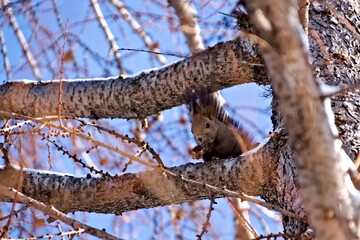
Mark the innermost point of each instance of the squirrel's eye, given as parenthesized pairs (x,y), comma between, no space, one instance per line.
(207,125)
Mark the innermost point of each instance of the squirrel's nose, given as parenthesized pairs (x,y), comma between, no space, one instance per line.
(199,139)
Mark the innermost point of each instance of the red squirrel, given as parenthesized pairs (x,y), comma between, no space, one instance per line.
(215,132)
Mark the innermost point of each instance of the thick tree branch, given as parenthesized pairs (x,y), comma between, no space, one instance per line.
(218,67)
(250,174)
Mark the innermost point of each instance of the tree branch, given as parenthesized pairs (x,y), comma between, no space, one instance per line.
(108,34)
(249,174)
(25,46)
(224,65)
(186,13)
(153,47)
(51,211)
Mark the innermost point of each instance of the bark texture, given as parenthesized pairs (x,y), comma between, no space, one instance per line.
(249,174)
(137,97)
(337,61)
(323,169)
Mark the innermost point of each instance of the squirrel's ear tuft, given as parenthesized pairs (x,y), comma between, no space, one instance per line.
(190,100)
(201,101)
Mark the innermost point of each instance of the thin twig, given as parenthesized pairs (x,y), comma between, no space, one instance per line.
(239,214)
(61,26)
(147,51)
(15,198)
(74,157)
(139,30)
(108,34)
(16,125)
(207,221)
(61,74)
(25,46)
(50,236)
(54,213)
(141,144)
(4,54)
(15,212)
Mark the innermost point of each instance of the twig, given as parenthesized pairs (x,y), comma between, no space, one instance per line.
(207,221)
(142,50)
(15,212)
(29,56)
(141,144)
(54,213)
(4,54)
(78,134)
(248,228)
(139,30)
(99,143)
(74,157)
(61,74)
(15,198)
(108,34)
(50,236)
(16,125)
(61,26)
(242,196)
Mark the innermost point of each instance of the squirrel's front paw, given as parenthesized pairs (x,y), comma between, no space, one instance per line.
(197,152)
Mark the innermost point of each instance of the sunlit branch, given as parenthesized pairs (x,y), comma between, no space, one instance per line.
(25,46)
(4,54)
(188,22)
(108,34)
(56,214)
(138,29)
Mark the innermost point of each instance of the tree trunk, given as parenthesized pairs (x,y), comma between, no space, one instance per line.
(322,170)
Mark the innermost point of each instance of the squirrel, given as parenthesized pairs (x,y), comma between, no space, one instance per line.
(215,132)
